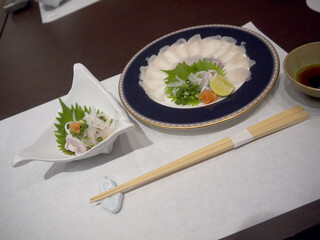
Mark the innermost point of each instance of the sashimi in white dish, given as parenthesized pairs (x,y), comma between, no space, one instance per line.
(81,128)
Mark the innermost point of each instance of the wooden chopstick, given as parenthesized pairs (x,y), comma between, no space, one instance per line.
(278,122)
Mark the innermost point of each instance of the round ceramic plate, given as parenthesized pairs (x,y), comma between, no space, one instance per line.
(263,77)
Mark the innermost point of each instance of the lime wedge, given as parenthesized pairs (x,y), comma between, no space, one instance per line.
(221,86)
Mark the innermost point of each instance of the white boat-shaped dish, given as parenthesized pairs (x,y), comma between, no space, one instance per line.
(87,91)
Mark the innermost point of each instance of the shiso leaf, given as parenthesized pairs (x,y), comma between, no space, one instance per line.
(183,71)
(74,113)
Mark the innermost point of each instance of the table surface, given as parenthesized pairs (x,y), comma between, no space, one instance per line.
(36,59)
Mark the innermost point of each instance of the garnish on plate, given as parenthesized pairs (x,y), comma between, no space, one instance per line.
(81,128)
(192,84)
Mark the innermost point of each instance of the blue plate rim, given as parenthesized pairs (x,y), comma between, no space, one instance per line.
(231,115)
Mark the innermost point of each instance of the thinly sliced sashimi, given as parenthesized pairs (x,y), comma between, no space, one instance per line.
(231,40)
(189,61)
(75,145)
(238,61)
(158,62)
(209,46)
(238,76)
(179,49)
(231,52)
(152,73)
(224,47)
(193,45)
(155,84)
(169,56)
(156,94)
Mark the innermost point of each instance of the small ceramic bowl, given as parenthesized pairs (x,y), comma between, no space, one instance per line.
(300,57)
(87,91)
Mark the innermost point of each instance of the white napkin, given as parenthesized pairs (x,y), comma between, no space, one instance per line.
(50,14)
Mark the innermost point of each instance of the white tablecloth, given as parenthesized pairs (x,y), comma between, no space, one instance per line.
(216,198)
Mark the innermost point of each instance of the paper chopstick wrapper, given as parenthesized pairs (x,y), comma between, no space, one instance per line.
(241,138)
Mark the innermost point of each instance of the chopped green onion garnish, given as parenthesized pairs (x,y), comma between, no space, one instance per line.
(86,139)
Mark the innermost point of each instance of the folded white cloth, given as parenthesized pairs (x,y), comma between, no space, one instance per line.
(52,10)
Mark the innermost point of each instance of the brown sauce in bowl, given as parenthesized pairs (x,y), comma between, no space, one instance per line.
(310,76)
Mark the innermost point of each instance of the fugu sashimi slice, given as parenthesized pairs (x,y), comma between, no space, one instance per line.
(169,56)
(156,94)
(238,76)
(231,52)
(148,72)
(224,47)
(238,61)
(193,45)
(189,61)
(155,84)
(209,46)
(179,49)
(231,40)
(158,62)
